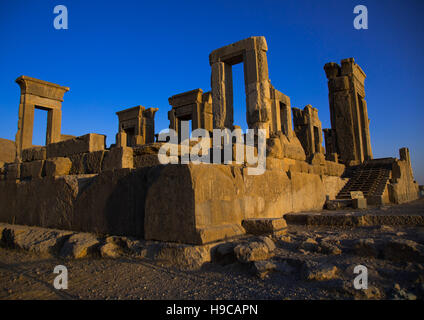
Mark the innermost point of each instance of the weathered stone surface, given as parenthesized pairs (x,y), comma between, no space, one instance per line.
(263,226)
(13,171)
(366,248)
(78,165)
(146,160)
(7,150)
(93,161)
(262,268)
(39,240)
(35,153)
(319,272)
(253,251)
(309,245)
(118,158)
(80,245)
(329,248)
(88,143)
(186,257)
(110,250)
(33,170)
(58,166)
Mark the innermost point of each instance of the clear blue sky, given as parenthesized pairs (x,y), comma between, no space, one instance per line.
(119,54)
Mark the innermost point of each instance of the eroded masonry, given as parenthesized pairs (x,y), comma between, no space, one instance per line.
(76,183)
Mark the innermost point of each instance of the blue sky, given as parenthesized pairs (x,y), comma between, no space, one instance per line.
(119,54)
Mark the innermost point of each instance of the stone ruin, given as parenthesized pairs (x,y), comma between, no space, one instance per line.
(76,183)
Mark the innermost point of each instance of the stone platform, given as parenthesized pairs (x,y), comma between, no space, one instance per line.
(411,213)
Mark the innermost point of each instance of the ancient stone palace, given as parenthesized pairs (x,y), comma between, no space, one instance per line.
(77,183)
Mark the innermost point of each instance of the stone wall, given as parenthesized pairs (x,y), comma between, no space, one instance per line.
(182,203)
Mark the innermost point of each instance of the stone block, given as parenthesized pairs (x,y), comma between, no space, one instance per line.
(88,143)
(146,160)
(13,171)
(78,166)
(33,169)
(118,158)
(58,166)
(32,154)
(264,225)
(356,195)
(93,161)
(359,203)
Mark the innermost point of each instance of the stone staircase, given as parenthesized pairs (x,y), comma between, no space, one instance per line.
(371,178)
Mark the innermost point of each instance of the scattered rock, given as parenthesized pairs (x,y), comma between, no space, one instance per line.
(39,240)
(264,225)
(401,294)
(80,245)
(309,245)
(253,251)
(262,268)
(286,239)
(329,248)
(184,256)
(110,250)
(317,272)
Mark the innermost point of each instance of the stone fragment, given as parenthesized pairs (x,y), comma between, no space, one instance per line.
(88,143)
(399,293)
(309,245)
(35,153)
(80,245)
(318,272)
(253,251)
(262,268)
(39,240)
(58,167)
(329,248)
(110,250)
(264,225)
(184,256)
(118,158)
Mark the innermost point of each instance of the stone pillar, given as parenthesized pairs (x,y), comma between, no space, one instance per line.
(148,125)
(257,85)
(348,111)
(222,93)
(54,123)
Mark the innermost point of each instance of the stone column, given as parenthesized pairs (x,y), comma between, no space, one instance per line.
(149,125)
(257,85)
(25,125)
(54,123)
(222,94)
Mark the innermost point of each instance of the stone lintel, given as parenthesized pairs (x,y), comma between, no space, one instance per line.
(233,53)
(41,88)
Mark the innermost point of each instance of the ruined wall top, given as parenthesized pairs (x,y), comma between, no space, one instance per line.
(348,68)
(41,88)
(233,53)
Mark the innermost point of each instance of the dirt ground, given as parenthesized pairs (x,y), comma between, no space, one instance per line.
(391,274)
